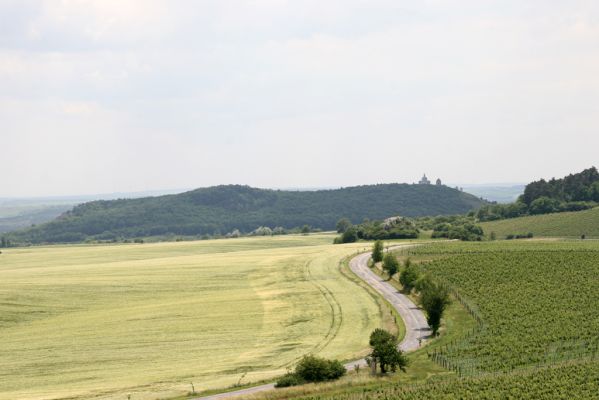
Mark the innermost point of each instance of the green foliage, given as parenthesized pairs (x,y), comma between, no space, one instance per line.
(391,228)
(544,205)
(349,236)
(377,251)
(385,353)
(390,264)
(312,369)
(409,276)
(574,187)
(343,225)
(289,379)
(212,211)
(575,192)
(457,228)
(434,299)
(316,369)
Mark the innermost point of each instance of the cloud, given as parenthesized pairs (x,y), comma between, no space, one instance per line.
(115,96)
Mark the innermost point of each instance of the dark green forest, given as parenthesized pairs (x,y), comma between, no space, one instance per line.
(221,209)
(575,192)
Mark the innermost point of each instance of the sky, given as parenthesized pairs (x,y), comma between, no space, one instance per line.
(119,96)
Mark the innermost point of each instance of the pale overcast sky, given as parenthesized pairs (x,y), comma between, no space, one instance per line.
(115,95)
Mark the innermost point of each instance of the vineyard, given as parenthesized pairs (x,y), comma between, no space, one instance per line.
(573,380)
(536,302)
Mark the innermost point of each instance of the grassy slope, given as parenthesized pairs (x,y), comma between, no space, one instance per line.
(567,224)
(103,321)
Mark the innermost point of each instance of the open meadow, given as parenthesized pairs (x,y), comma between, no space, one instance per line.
(105,321)
(564,224)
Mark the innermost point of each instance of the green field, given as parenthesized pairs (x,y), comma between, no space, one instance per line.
(566,224)
(572,380)
(537,301)
(105,321)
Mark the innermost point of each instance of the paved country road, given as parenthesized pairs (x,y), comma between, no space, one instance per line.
(414,320)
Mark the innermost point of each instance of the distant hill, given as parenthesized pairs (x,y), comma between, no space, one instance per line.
(14,218)
(565,224)
(22,212)
(498,193)
(222,209)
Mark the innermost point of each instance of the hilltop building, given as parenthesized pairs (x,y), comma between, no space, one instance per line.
(425,181)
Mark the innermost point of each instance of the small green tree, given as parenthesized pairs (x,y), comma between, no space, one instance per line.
(390,264)
(316,369)
(385,352)
(343,225)
(377,251)
(434,299)
(409,276)
(349,236)
(306,229)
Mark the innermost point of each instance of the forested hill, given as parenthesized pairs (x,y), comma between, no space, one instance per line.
(222,209)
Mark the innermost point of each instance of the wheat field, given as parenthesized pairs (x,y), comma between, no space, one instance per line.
(106,321)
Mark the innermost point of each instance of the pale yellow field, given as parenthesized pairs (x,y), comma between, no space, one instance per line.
(146,320)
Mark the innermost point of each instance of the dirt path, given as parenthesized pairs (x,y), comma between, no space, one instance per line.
(416,327)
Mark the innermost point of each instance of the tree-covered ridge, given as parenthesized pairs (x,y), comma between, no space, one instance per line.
(574,192)
(222,209)
(583,186)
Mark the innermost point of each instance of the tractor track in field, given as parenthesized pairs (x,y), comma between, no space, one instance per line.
(414,320)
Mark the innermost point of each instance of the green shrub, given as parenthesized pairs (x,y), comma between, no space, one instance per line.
(289,379)
(348,236)
(316,369)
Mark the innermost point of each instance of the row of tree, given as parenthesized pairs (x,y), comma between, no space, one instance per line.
(433,296)
(462,227)
(390,228)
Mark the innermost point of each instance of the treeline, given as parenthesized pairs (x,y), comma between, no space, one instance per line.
(452,227)
(390,228)
(219,210)
(575,192)
(432,295)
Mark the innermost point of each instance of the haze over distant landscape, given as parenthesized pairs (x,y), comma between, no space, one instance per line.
(111,96)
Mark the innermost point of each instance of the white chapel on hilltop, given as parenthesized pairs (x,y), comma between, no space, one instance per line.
(425,181)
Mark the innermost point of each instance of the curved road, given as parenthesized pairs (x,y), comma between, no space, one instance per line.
(417,329)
